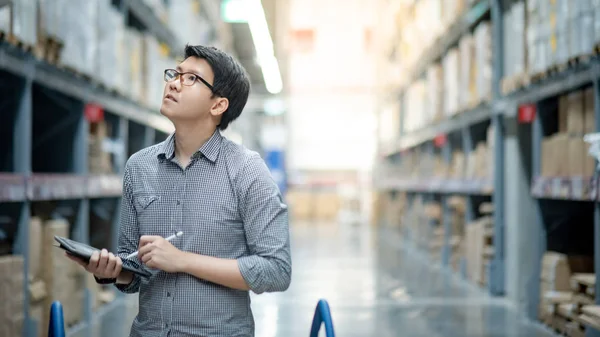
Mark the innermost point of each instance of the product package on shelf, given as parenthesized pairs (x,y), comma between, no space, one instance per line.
(111,42)
(457,242)
(515,57)
(415,116)
(435,91)
(557,299)
(79,36)
(457,169)
(152,72)
(467,70)
(11,295)
(189,25)
(451,71)
(64,279)
(19,20)
(575,118)
(479,246)
(99,160)
(483,62)
(133,43)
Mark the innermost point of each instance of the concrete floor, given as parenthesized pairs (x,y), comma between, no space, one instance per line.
(377,286)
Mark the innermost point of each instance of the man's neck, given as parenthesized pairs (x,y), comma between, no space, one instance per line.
(189,138)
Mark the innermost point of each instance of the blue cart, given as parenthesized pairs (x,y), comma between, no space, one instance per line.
(321,317)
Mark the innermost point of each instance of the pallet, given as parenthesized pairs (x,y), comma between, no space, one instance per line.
(49,49)
(516,82)
(15,42)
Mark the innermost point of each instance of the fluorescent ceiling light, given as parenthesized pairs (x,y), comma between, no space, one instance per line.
(252,12)
(264,47)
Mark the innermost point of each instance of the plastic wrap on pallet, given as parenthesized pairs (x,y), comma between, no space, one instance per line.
(483,60)
(186,18)
(25,21)
(466,65)
(506,34)
(133,43)
(5,18)
(78,35)
(596,12)
(152,71)
(435,91)
(587,38)
(50,16)
(451,86)
(107,61)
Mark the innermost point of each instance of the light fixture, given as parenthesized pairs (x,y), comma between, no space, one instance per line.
(263,44)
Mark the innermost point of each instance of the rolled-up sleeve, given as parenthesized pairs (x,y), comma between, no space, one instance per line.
(128,231)
(268,268)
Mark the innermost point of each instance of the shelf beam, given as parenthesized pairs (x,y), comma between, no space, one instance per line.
(596,88)
(13,61)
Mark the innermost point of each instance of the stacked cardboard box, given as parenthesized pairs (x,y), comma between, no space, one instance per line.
(558,303)
(435,91)
(575,118)
(37,287)
(99,160)
(11,295)
(479,248)
(65,280)
(457,207)
(483,62)
(560,30)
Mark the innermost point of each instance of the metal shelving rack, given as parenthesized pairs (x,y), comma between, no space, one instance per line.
(45,156)
(516,190)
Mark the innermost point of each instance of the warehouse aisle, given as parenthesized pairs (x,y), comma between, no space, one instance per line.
(376,287)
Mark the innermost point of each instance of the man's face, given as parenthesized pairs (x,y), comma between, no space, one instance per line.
(193,102)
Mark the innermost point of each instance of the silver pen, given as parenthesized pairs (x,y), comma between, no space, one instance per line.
(134,254)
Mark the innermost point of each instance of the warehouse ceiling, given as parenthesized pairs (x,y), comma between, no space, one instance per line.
(246,53)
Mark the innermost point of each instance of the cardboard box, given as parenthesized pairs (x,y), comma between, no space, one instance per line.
(563,110)
(588,111)
(11,295)
(576,155)
(575,115)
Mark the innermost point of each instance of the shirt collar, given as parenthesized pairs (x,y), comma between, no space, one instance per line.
(210,149)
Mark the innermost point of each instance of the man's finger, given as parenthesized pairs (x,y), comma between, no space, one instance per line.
(103,259)
(146,249)
(93,264)
(146,258)
(112,262)
(146,239)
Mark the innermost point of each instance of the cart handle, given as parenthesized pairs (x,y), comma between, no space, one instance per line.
(322,315)
(56,326)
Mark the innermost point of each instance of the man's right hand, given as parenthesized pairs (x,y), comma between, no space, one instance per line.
(103,265)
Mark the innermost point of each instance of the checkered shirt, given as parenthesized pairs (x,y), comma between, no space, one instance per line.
(227,205)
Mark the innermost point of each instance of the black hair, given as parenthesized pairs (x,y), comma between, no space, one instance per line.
(230,80)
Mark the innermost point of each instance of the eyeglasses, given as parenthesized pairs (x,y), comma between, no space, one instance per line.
(187,79)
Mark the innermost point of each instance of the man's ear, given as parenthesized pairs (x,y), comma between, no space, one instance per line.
(219,107)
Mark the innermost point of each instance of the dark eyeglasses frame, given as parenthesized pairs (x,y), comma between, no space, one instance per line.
(179,75)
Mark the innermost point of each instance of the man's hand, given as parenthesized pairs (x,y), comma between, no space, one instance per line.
(158,253)
(102,264)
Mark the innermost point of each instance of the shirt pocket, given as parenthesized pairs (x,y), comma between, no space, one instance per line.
(153,213)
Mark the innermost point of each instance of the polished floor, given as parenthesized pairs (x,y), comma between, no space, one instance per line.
(376,286)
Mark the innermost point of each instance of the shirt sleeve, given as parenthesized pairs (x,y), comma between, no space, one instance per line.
(128,232)
(268,268)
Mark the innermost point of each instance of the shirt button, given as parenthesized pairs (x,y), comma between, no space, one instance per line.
(178,202)
(168,294)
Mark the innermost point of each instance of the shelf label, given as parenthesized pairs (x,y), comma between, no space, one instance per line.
(94,113)
(526,113)
(440,140)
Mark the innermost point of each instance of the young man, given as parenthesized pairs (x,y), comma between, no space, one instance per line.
(219,194)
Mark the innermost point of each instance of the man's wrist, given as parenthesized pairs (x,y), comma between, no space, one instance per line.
(183,262)
(124,278)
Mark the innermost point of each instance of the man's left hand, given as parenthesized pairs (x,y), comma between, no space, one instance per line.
(158,253)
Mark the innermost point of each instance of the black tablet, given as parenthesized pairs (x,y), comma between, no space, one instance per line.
(84,252)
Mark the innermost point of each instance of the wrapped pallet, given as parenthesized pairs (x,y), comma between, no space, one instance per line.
(483,61)
(79,36)
(11,295)
(109,63)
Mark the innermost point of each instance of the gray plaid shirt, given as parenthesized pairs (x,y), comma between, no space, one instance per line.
(228,206)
